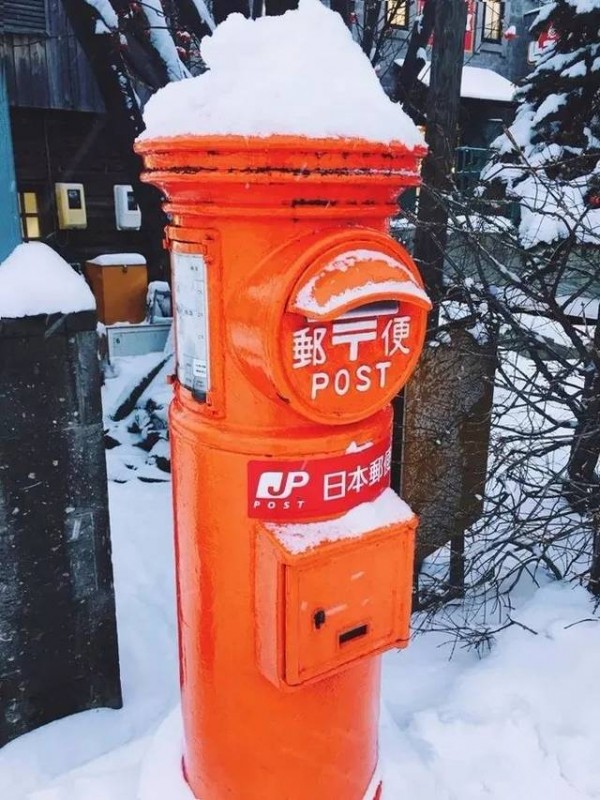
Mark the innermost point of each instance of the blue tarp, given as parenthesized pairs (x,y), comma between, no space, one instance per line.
(9,215)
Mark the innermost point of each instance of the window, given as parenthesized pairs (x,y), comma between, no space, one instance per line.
(398,13)
(493,20)
(29,215)
(23,16)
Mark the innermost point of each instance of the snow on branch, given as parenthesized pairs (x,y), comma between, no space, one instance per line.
(107,16)
(205,14)
(162,40)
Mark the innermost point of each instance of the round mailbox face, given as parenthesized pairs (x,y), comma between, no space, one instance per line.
(352,333)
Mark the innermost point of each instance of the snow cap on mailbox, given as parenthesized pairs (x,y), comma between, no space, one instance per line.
(299,74)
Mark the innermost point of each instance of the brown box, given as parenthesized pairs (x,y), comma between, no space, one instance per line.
(119,283)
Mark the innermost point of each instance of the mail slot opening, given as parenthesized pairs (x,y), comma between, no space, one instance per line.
(353,633)
(379,308)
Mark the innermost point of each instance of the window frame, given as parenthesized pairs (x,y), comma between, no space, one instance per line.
(25,215)
(396,6)
(487,11)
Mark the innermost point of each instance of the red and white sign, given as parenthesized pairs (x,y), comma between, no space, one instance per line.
(546,38)
(350,365)
(368,345)
(471,23)
(351,333)
(289,491)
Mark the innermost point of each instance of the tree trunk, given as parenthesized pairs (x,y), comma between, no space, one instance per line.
(275,7)
(442,119)
(594,582)
(344,9)
(371,13)
(223,8)
(126,121)
(430,236)
(583,487)
(407,75)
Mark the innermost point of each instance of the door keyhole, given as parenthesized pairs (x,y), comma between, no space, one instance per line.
(319,618)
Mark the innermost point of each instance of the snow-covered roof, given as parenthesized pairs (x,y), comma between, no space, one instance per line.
(34,280)
(477,83)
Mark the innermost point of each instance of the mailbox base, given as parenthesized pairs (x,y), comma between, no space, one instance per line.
(375,787)
(244,736)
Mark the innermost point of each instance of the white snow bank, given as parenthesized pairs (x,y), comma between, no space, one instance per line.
(34,279)
(387,509)
(298,74)
(161,776)
(553,211)
(585,6)
(118,260)
(519,723)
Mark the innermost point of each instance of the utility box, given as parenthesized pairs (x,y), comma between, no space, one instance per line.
(119,282)
(128,216)
(70,204)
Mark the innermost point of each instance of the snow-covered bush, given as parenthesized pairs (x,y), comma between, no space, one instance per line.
(549,158)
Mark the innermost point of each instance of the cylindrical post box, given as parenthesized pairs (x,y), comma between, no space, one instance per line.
(297,320)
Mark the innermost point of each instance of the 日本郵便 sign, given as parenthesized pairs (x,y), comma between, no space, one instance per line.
(290,490)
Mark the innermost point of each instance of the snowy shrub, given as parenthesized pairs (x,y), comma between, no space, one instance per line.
(549,158)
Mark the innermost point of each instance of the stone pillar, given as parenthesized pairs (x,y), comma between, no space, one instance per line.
(58,642)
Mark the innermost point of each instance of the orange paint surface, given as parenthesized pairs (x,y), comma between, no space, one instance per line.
(335,604)
(273,710)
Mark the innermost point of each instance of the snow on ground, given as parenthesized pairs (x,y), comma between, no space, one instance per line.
(518,723)
(288,74)
(515,725)
(111,743)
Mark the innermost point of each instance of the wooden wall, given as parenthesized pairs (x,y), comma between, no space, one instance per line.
(57,146)
(49,71)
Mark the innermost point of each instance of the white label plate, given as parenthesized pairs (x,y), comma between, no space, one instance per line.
(192,342)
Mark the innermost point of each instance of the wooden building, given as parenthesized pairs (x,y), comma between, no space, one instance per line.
(60,133)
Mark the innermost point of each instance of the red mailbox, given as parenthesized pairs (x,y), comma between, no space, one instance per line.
(297,320)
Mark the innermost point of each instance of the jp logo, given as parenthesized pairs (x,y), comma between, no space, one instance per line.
(279,485)
(278,491)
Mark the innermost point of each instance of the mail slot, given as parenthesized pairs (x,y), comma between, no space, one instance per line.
(340,600)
